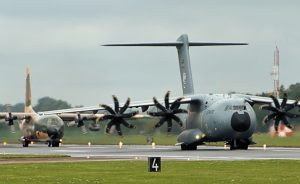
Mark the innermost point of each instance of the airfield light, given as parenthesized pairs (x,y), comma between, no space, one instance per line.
(120,144)
(4,143)
(153,145)
(89,144)
(265,146)
(225,146)
(31,142)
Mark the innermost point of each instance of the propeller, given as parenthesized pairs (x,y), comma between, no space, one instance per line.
(10,119)
(117,116)
(168,112)
(280,112)
(79,121)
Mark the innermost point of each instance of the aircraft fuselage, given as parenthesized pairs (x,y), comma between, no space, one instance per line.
(218,118)
(43,128)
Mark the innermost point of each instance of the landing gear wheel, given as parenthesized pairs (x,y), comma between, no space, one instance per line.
(238,144)
(188,147)
(25,143)
(53,143)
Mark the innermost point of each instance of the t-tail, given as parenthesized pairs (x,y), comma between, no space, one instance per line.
(182,45)
(28,101)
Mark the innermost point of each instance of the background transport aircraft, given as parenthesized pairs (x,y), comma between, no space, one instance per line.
(208,117)
(44,128)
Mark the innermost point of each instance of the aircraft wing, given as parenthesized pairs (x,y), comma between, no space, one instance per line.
(144,105)
(264,100)
(16,115)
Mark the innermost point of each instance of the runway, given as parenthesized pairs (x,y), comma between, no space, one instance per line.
(142,152)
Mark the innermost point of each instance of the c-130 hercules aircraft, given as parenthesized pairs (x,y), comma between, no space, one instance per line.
(49,128)
(210,117)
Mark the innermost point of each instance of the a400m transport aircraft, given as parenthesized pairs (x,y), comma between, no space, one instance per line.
(209,117)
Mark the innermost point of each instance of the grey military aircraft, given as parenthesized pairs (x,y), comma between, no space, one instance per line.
(208,117)
(37,127)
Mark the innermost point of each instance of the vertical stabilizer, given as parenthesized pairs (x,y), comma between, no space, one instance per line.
(185,65)
(28,102)
(182,44)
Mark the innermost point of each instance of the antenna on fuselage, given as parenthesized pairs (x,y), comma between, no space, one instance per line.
(182,45)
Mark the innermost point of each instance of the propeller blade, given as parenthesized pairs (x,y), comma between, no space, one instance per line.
(269,117)
(161,122)
(177,111)
(269,108)
(178,120)
(107,116)
(158,105)
(167,96)
(176,103)
(277,121)
(118,128)
(126,124)
(108,127)
(292,115)
(290,107)
(276,103)
(108,108)
(286,123)
(283,103)
(169,125)
(156,113)
(126,105)
(116,102)
(129,115)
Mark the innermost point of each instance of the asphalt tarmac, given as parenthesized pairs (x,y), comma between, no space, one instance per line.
(142,152)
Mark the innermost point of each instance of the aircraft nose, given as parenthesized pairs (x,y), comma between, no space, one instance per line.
(52,132)
(240,122)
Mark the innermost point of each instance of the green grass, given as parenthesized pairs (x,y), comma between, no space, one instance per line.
(293,141)
(272,171)
(11,156)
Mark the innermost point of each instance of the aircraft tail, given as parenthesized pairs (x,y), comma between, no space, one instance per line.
(182,45)
(28,102)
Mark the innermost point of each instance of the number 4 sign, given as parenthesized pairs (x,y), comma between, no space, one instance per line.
(154,164)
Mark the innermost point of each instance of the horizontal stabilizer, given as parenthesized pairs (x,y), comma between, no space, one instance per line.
(176,44)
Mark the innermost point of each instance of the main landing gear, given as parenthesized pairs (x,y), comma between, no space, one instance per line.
(189,147)
(53,143)
(237,144)
(25,142)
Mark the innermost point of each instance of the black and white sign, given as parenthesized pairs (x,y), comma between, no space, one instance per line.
(154,164)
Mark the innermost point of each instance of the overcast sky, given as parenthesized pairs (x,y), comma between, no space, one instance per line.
(60,40)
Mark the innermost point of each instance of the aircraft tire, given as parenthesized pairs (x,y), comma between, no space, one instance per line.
(55,143)
(25,143)
(240,145)
(188,147)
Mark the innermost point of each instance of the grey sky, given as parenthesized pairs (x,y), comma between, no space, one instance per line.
(60,40)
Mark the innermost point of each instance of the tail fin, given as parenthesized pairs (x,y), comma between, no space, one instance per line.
(182,44)
(28,103)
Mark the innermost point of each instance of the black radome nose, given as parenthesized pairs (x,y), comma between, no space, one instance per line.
(240,122)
